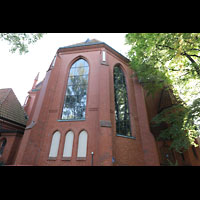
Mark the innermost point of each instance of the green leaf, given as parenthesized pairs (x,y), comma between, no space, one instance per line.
(20,41)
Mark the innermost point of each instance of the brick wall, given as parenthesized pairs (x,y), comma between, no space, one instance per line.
(108,148)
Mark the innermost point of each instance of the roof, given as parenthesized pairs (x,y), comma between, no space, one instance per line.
(89,43)
(10,107)
(37,87)
(167,99)
(86,43)
(3,94)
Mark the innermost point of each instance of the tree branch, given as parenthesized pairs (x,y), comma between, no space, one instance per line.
(165,46)
(193,62)
(197,69)
(194,49)
(195,55)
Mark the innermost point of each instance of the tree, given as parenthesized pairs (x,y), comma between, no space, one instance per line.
(165,58)
(172,60)
(20,41)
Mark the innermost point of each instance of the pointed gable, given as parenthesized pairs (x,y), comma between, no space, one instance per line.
(167,99)
(10,107)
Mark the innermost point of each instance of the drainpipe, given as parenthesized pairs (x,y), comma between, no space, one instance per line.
(92,153)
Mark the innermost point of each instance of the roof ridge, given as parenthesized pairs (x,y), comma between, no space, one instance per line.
(85,43)
(91,42)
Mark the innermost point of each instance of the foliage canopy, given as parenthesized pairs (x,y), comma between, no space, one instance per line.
(20,41)
(170,59)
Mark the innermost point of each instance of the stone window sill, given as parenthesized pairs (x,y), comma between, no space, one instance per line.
(70,120)
(66,158)
(130,137)
(81,158)
(52,158)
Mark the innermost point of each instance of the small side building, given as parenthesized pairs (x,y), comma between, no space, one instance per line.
(12,125)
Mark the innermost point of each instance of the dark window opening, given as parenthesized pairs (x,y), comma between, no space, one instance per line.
(182,156)
(122,115)
(194,152)
(167,156)
(2,146)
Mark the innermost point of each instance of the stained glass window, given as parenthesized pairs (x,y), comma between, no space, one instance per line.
(122,115)
(76,93)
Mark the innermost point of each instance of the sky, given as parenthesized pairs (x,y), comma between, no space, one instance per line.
(18,71)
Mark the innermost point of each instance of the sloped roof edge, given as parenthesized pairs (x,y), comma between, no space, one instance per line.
(4,92)
(90,44)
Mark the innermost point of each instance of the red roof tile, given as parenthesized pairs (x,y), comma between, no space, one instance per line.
(10,107)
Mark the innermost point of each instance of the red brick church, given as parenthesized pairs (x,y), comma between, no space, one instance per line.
(91,110)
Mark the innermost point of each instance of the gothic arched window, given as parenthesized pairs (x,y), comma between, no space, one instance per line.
(76,93)
(54,145)
(68,144)
(82,145)
(122,116)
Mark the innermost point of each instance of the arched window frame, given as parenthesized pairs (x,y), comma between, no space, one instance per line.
(79,110)
(54,147)
(82,145)
(68,145)
(127,99)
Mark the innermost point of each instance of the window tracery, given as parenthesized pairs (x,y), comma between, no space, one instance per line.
(76,93)
(122,114)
